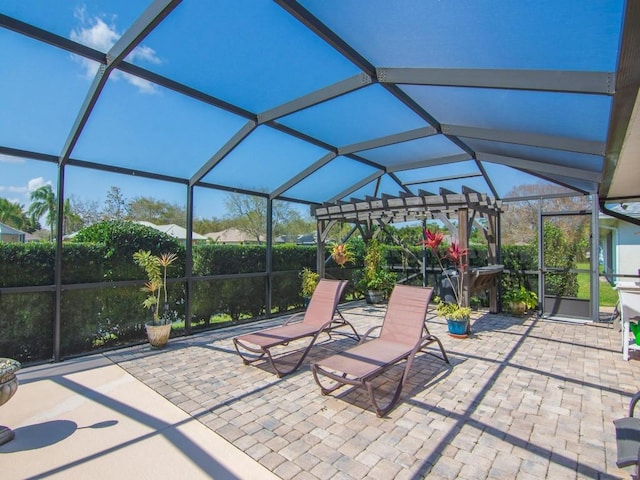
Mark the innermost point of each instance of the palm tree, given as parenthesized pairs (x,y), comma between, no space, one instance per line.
(44,202)
(12,214)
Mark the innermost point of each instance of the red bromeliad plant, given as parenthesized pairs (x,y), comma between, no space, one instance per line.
(456,256)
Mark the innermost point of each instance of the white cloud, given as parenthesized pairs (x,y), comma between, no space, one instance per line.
(23,190)
(10,159)
(36,183)
(97,33)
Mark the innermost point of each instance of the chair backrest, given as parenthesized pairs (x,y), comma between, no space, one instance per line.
(406,313)
(324,301)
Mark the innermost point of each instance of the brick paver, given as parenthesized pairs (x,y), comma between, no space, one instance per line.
(522,398)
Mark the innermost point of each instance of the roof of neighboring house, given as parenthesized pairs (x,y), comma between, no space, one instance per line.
(306,239)
(7,230)
(173,230)
(232,235)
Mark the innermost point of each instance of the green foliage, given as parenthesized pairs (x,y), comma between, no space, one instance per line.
(522,295)
(518,260)
(156,266)
(156,211)
(25,264)
(451,310)
(309,281)
(44,203)
(376,276)
(13,214)
(121,239)
(559,253)
(26,325)
(215,259)
(83,262)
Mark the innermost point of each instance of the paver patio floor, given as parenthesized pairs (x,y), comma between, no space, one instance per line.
(523,398)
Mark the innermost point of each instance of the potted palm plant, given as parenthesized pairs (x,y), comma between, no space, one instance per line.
(155,266)
(457,315)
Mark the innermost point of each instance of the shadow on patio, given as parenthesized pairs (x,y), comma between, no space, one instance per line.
(522,398)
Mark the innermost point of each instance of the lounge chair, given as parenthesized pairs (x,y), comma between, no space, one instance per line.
(404,333)
(628,438)
(320,316)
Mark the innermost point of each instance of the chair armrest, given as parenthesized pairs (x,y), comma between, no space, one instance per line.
(368,333)
(632,403)
(292,317)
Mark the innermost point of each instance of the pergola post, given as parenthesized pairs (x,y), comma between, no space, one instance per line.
(320,249)
(463,239)
(492,257)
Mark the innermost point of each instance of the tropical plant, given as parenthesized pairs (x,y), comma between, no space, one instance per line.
(521,295)
(375,275)
(12,214)
(156,268)
(310,280)
(341,254)
(44,203)
(453,310)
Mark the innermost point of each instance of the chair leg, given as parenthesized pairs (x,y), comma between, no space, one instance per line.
(247,360)
(432,339)
(382,411)
(339,381)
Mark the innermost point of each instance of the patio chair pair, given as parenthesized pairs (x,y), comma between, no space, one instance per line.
(403,334)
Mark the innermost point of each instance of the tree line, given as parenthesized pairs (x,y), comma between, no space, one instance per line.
(244,212)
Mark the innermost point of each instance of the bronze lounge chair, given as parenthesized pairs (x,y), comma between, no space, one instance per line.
(404,333)
(628,438)
(319,317)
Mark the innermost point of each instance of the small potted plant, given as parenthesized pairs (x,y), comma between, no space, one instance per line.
(309,281)
(155,266)
(520,300)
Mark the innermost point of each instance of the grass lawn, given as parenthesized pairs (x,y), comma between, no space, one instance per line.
(608,296)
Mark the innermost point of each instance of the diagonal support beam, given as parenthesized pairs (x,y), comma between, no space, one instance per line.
(223,152)
(153,15)
(357,186)
(388,140)
(332,91)
(602,83)
(429,163)
(150,18)
(444,179)
(531,139)
(302,175)
(578,173)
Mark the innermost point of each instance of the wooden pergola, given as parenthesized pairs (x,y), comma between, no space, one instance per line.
(467,208)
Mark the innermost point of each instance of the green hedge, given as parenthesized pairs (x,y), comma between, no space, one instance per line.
(94,318)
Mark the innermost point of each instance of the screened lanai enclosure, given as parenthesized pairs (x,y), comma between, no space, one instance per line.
(208,106)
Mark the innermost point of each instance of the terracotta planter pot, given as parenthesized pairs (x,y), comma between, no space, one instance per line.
(158,335)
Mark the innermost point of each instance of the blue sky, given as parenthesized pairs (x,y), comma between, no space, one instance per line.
(139,125)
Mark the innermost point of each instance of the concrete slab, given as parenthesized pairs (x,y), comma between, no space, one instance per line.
(89,418)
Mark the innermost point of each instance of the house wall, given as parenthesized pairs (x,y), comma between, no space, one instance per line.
(9,237)
(628,254)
